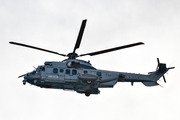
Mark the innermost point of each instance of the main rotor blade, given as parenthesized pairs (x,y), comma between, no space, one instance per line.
(79,38)
(24,45)
(112,49)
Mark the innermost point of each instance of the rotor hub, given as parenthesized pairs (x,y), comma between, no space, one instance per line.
(72,55)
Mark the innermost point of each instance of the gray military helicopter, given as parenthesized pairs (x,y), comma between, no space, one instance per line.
(81,76)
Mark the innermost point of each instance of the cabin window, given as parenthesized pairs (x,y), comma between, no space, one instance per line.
(85,72)
(67,71)
(74,72)
(55,70)
(99,74)
(61,70)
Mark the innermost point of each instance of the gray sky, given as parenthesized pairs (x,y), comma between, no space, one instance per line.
(55,24)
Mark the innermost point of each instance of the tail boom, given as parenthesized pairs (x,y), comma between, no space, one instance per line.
(148,80)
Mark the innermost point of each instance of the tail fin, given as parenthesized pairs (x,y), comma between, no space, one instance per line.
(155,76)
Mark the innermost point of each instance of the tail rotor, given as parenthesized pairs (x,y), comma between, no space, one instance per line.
(159,68)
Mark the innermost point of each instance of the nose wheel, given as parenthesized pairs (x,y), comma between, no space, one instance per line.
(24,82)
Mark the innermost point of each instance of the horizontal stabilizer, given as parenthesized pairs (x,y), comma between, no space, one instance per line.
(149,84)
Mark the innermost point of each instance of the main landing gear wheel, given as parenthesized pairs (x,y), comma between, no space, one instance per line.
(87,94)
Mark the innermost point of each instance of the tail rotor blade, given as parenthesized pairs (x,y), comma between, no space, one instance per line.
(158,63)
(158,60)
(164,79)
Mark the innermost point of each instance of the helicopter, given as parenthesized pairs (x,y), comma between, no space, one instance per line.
(80,76)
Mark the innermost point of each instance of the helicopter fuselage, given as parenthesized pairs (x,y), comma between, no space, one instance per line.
(82,77)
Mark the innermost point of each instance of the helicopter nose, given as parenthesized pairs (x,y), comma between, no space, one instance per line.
(31,78)
(26,76)
(25,79)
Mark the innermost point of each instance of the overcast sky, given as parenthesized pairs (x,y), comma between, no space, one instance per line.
(55,24)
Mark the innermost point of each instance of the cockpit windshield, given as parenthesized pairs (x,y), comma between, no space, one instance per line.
(33,72)
(40,68)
